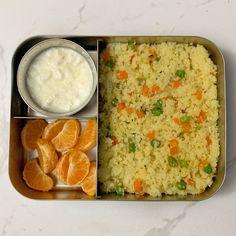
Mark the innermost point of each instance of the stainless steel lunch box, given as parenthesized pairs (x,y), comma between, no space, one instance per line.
(20,112)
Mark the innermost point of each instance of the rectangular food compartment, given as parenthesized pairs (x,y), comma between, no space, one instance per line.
(19,157)
(20,111)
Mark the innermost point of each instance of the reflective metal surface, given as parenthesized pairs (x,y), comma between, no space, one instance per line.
(20,112)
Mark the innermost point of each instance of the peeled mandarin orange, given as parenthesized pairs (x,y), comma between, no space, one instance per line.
(89,183)
(35,178)
(31,133)
(87,140)
(62,167)
(68,136)
(47,155)
(53,129)
(73,167)
(78,167)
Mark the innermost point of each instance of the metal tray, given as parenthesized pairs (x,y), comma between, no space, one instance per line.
(20,112)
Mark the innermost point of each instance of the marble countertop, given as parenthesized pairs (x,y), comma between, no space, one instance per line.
(213,19)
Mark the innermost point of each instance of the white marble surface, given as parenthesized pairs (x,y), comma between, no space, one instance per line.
(209,18)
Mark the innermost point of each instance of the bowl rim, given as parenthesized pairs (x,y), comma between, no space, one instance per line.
(35,51)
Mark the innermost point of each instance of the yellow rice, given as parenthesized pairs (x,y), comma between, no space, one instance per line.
(156,64)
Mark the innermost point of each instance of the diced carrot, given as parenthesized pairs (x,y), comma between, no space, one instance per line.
(186,127)
(129,110)
(174,150)
(176,83)
(114,140)
(155,88)
(176,120)
(203,163)
(138,186)
(145,90)
(190,181)
(151,135)
(122,74)
(140,114)
(201,117)
(130,94)
(198,95)
(121,106)
(106,56)
(173,143)
(208,139)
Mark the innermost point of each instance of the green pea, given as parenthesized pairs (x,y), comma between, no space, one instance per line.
(183,163)
(208,169)
(155,143)
(156,111)
(158,103)
(181,185)
(114,102)
(120,191)
(110,64)
(172,161)
(132,147)
(158,58)
(185,118)
(180,73)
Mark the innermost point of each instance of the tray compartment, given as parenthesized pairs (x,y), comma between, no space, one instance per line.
(218,60)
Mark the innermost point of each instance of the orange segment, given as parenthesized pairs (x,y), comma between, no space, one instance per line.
(31,133)
(73,167)
(68,136)
(47,155)
(78,167)
(53,129)
(35,178)
(89,183)
(62,167)
(87,140)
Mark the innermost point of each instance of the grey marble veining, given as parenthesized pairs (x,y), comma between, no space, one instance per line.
(170,223)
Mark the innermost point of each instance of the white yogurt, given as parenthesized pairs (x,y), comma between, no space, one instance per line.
(59,80)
